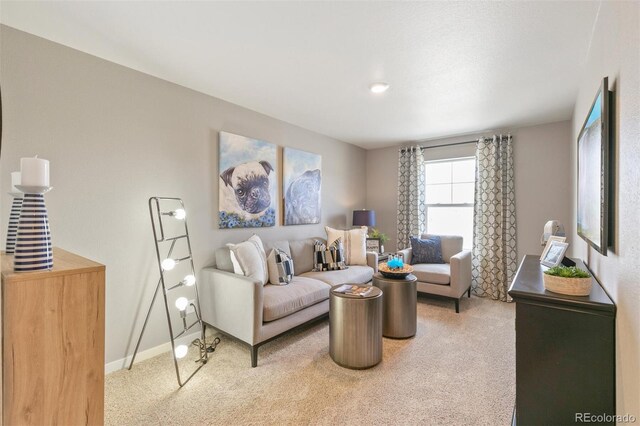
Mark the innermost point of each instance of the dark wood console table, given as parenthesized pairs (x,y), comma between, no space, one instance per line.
(565,351)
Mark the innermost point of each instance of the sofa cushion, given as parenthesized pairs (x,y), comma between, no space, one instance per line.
(302,254)
(354,275)
(434,273)
(249,259)
(223,259)
(280,267)
(451,245)
(426,250)
(354,241)
(282,300)
(282,245)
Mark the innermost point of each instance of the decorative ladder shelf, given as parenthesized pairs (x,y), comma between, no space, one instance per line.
(165,265)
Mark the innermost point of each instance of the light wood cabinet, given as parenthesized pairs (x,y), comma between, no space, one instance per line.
(53,343)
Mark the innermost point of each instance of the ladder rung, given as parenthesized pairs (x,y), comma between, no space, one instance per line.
(186,329)
(173,238)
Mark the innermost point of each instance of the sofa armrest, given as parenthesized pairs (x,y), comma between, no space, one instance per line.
(406,255)
(372,260)
(460,272)
(232,303)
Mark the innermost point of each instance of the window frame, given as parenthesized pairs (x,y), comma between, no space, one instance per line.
(427,205)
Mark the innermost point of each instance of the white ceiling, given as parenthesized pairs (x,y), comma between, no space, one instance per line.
(454,67)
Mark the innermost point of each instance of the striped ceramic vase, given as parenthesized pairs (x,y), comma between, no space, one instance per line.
(33,243)
(13,223)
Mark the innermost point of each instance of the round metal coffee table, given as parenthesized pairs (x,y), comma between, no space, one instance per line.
(400,305)
(355,329)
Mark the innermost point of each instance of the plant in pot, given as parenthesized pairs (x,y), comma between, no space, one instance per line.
(375,233)
(567,280)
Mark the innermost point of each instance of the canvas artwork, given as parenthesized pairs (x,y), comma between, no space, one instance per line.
(302,184)
(247,182)
(592,174)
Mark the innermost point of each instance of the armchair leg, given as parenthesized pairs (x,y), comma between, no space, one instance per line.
(469,292)
(254,356)
(457,306)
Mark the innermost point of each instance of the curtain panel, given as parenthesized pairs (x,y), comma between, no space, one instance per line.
(494,259)
(411,195)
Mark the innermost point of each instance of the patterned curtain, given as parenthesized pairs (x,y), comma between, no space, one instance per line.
(411,195)
(494,222)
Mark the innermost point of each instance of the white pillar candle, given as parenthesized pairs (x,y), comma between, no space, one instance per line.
(15,180)
(35,171)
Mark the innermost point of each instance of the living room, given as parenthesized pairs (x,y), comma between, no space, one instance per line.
(133,100)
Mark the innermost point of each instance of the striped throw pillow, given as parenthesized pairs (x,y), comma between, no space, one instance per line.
(280,267)
(329,258)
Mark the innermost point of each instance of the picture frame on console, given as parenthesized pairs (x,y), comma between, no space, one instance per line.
(373,244)
(555,254)
(549,241)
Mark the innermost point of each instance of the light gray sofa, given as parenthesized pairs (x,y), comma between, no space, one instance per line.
(254,313)
(450,279)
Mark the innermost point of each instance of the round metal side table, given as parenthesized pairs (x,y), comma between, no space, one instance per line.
(355,329)
(400,305)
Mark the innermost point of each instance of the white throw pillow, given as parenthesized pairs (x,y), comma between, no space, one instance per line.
(249,259)
(354,242)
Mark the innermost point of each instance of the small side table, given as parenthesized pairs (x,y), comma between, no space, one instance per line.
(400,305)
(355,329)
(383,257)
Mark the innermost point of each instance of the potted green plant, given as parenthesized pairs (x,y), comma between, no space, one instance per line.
(567,280)
(375,233)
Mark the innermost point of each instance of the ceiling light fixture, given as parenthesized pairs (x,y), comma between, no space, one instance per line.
(379,87)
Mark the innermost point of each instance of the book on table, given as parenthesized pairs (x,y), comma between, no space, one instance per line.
(354,290)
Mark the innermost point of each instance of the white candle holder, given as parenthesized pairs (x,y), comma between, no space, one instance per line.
(14,216)
(33,249)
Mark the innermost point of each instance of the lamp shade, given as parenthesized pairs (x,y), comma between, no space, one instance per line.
(364,218)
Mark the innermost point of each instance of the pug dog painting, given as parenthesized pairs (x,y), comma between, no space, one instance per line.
(302,187)
(247,182)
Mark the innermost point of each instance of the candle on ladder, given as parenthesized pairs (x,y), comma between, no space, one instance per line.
(35,171)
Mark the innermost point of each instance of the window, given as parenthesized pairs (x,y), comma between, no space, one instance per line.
(450,196)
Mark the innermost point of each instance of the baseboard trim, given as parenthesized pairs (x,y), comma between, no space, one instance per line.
(123,363)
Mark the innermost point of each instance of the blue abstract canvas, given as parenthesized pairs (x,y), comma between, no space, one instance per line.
(302,185)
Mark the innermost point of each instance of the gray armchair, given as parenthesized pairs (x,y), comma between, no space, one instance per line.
(450,279)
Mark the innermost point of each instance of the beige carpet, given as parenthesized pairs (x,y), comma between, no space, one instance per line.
(459,369)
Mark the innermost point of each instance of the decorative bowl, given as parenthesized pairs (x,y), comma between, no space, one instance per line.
(568,286)
(395,273)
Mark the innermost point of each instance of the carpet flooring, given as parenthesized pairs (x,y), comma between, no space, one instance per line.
(459,369)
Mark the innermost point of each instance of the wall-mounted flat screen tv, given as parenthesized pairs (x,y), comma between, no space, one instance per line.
(593,173)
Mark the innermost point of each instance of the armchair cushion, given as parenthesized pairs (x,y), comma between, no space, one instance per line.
(280,301)
(451,245)
(426,250)
(435,273)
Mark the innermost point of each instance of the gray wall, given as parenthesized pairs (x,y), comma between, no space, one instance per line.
(615,52)
(542,159)
(116,137)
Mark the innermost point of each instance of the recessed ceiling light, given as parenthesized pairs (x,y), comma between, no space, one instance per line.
(379,87)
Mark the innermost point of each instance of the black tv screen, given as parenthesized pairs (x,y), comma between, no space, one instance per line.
(593,173)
